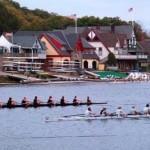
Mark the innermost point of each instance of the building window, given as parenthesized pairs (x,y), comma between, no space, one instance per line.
(100,51)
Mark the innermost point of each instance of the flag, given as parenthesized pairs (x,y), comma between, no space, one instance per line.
(74,17)
(130,9)
(9,34)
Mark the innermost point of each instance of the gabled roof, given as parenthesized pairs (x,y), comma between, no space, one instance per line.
(85,44)
(70,30)
(124,29)
(25,41)
(30,33)
(109,39)
(72,40)
(63,52)
(4,42)
(57,39)
(145,45)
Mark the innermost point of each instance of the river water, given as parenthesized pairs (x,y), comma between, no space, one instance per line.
(22,129)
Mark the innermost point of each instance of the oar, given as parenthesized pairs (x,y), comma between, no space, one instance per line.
(74,115)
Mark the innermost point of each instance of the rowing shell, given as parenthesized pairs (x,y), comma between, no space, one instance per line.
(79,118)
(50,105)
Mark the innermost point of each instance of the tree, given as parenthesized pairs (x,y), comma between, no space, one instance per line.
(111,59)
(8,21)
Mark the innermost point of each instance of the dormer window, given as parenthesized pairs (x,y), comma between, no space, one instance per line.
(91,35)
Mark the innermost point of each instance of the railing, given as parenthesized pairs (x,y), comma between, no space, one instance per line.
(126,56)
(25,55)
(142,56)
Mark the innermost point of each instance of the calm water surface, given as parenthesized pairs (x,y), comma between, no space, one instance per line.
(22,129)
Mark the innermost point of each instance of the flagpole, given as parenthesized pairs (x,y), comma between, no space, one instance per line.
(12,38)
(76,29)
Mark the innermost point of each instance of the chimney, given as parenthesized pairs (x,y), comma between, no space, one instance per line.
(98,27)
(112,28)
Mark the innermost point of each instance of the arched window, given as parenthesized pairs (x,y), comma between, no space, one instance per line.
(94,66)
(86,64)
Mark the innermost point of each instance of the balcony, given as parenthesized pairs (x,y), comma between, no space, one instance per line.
(24,55)
(142,56)
(130,57)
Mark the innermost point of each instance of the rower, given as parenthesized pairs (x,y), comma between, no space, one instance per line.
(36,101)
(89,113)
(1,103)
(76,101)
(146,110)
(119,112)
(25,101)
(11,102)
(51,101)
(134,111)
(103,112)
(63,101)
(88,100)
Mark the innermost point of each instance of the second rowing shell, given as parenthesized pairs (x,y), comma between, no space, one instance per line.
(79,118)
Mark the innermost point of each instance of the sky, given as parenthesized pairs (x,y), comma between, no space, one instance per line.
(97,8)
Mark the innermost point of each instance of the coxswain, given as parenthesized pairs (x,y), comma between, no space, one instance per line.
(76,101)
(63,101)
(36,101)
(89,113)
(25,101)
(103,112)
(119,112)
(146,110)
(51,101)
(88,100)
(11,102)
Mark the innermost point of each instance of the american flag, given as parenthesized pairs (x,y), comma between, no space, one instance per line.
(130,9)
(73,16)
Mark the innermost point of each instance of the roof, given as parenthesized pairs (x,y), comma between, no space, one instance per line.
(30,33)
(85,44)
(124,29)
(109,39)
(72,40)
(145,45)
(63,52)
(4,42)
(25,41)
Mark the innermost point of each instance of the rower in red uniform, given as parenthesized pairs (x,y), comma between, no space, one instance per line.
(11,102)
(88,100)
(63,101)
(76,101)
(51,101)
(25,101)
(36,101)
